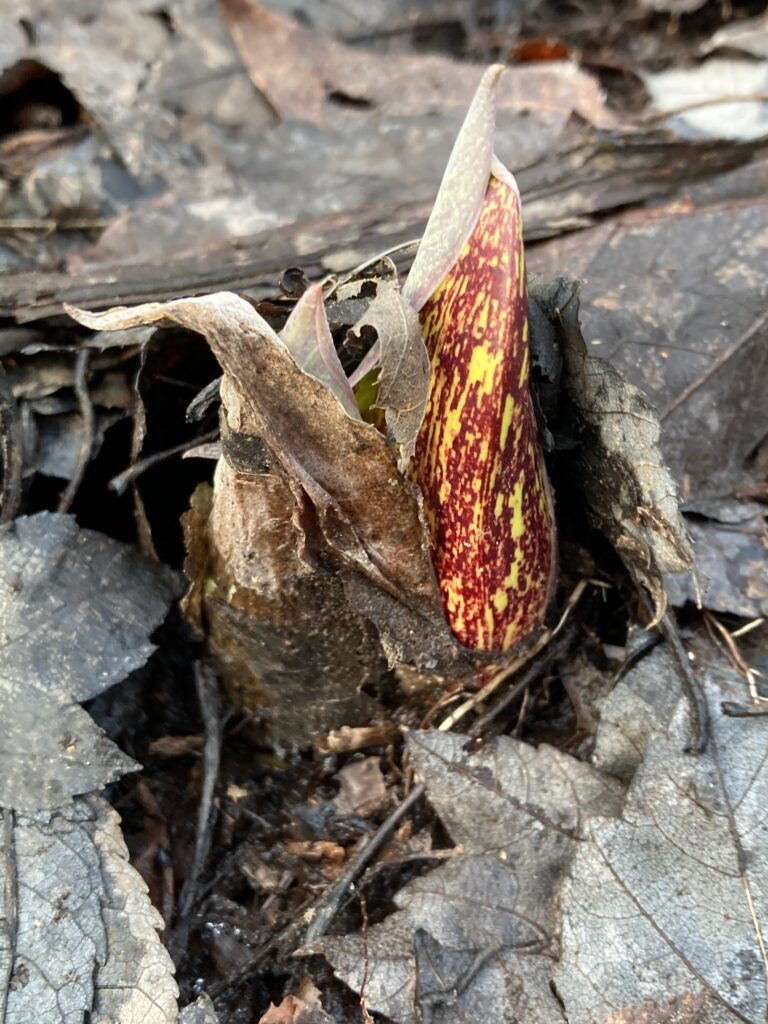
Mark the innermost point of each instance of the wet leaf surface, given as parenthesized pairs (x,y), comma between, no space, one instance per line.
(731,559)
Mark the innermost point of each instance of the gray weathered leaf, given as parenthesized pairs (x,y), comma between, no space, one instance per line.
(518,814)
(75,612)
(78,935)
(404,365)
(667,909)
(199,1012)
(647,907)
(675,298)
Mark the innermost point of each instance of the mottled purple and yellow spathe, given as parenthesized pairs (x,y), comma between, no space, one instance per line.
(478,459)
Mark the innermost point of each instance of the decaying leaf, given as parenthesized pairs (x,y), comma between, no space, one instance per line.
(307,337)
(78,934)
(294,1010)
(328,496)
(200,1012)
(275,625)
(628,491)
(76,610)
(304,74)
(342,465)
(684,319)
(732,559)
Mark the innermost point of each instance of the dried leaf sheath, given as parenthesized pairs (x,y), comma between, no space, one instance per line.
(478,460)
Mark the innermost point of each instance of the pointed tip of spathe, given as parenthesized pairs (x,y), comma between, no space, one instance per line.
(492,74)
(498,170)
(460,196)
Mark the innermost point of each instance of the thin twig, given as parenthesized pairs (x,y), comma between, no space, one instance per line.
(330,903)
(655,116)
(11,452)
(743,630)
(699,710)
(122,480)
(521,685)
(714,367)
(11,224)
(10,897)
(367,1019)
(87,423)
(350,275)
(735,656)
(207,687)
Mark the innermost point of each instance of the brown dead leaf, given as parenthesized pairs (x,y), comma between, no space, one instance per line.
(347,740)
(343,466)
(267,614)
(310,77)
(301,489)
(363,790)
(293,1010)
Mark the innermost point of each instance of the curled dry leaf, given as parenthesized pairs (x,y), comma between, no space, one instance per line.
(328,495)
(344,467)
(307,336)
(293,1010)
(628,491)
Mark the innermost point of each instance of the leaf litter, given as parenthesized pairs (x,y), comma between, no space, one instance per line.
(563,876)
(443,977)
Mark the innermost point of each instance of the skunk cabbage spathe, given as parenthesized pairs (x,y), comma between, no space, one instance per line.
(478,459)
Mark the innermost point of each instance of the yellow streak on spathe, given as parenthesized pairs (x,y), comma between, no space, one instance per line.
(515,502)
(506,420)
